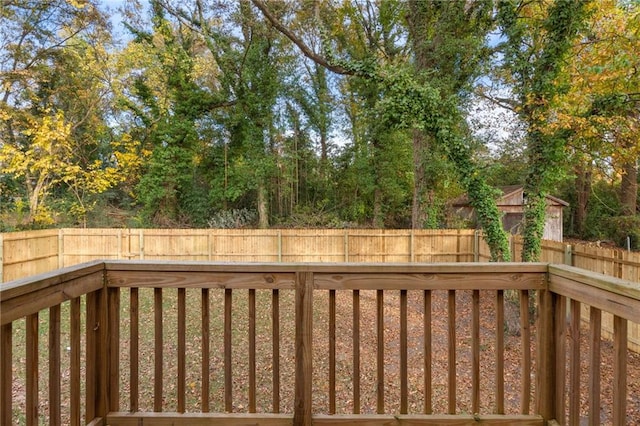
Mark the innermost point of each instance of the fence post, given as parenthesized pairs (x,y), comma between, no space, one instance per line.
(546,354)
(568,255)
(141,236)
(279,245)
(60,248)
(412,255)
(119,254)
(476,246)
(346,245)
(304,349)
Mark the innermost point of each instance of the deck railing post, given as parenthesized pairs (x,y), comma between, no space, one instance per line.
(304,350)
(546,354)
(97,355)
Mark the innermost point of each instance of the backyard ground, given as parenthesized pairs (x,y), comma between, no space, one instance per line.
(344,359)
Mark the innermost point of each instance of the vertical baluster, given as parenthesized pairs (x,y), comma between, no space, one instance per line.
(356,351)
(158,350)
(619,370)
(205,350)
(499,359)
(228,380)
(546,357)
(426,324)
(475,352)
(304,349)
(332,351)
(6,374)
(182,347)
(595,328)
(134,319)
(404,387)
(91,356)
(32,370)
(380,351)
(574,395)
(54,366)
(114,349)
(525,337)
(252,351)
(451,308)
(74,362)
(275,330)
(561,358)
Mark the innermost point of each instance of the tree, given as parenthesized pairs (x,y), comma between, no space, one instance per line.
(600,109)
(53,101)
(414,103)
(538,40)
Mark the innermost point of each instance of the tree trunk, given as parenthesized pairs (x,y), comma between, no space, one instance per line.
(629,188)
(420,185)
(583,189)
(263,208)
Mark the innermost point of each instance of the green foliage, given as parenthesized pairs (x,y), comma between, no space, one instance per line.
(619,228)
(534,54)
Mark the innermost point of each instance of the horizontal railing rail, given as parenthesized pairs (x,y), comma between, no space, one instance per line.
(149,342)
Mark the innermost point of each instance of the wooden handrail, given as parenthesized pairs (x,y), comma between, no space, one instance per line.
(101,286)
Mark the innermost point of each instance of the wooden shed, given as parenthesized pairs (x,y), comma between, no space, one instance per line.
(511,203)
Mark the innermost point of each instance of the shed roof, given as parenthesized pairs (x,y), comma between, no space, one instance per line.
(507,192)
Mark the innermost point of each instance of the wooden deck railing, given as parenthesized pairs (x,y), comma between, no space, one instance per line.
(134,343)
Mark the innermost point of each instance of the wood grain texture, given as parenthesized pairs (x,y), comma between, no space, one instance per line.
(475,351)
(595,329)
(134,343)
(499,353)
(228,371)
(304,349)
(6,374)
(574,364)
(206,336)
(275,341)
(19,304)
(332,351)
(194,279)
(607,299)
(427,351)
(158,350)
(619,370)
(432,281)
(54,366)
(182,349)
(114,349)
(404,385)
(199,419)
(525,342)
(252,351)
(452,370)
(379,352)
(355,377)
(33,372)
(74,362)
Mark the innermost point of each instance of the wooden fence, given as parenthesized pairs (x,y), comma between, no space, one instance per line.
(312,354)
(25,254)
(28,253)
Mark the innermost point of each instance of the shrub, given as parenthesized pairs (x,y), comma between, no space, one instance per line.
(618,228)
(234,218)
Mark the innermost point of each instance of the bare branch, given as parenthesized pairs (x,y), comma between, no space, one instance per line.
(306,51)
